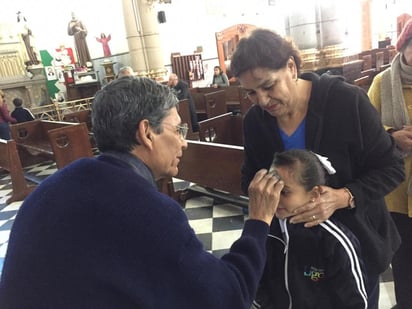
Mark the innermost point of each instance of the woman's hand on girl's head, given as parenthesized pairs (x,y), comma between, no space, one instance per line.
(318,211)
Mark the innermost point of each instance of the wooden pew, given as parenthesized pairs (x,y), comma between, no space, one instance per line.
(213,169)
(34,144)
(10,161)
(80,117)
(234,97)
(215,103)
(209,104)
(200,105)
(364,82)
(70,143)
(184,113)
(352,70)
(224,129)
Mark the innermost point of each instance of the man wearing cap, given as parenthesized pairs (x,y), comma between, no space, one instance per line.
(391,94)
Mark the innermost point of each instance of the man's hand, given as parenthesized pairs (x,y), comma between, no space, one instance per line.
(264,193)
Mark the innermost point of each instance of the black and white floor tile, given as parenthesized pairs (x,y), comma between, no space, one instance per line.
(217,224)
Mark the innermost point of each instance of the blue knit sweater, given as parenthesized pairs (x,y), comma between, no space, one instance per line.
(98,234)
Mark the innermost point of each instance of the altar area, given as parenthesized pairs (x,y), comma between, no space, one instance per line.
(19,75)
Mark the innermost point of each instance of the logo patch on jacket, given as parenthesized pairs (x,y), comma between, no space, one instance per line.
(313,273)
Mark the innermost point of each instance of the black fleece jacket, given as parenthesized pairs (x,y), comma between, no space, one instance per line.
(342,125)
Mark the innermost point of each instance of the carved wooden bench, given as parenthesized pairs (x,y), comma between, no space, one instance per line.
(224,129)
(80,117)
(10,161)
(235,98)
(213,169)
(184,113)
(70,143)
(35,145)
(210,104)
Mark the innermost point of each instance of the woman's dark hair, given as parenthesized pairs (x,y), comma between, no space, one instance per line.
(264,49)
(308,170)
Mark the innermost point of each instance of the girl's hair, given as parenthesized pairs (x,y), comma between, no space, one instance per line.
(303,165)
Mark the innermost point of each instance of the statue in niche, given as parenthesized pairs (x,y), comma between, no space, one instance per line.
(105,44)
(78,30)
(26,35)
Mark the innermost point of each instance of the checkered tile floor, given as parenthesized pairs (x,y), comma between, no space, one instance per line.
(217,224)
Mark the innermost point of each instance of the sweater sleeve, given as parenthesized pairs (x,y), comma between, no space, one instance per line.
(6,115)
(234,278)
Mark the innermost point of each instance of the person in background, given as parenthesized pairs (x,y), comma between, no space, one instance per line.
(330,117)
(118,242)
(182,91)
(391,94)
(219,78)
(322,268)
(20,113)
(125,71)
(5,118)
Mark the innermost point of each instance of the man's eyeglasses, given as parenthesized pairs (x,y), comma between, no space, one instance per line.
(181,129)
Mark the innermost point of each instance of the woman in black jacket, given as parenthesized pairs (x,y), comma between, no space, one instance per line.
(332,118)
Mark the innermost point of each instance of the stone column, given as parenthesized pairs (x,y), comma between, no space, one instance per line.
(143,38)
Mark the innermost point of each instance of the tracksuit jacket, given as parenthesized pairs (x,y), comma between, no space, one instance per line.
(309,268)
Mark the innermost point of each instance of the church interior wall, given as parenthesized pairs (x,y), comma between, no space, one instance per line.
(189,26)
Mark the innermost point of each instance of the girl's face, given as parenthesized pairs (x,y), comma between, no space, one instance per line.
(217,71)
(293,194)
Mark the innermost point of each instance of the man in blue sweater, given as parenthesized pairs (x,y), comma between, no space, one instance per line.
(98,234)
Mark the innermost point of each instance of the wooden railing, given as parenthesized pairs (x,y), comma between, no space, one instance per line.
(57,110)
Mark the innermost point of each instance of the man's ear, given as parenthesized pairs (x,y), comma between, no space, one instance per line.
(145,134)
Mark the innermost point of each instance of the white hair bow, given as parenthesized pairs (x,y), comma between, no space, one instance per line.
(326,163)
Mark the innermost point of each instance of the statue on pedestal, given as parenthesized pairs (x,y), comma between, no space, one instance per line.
(105,44)
(79,31)
(26,35)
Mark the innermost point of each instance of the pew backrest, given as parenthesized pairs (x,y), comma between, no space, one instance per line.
(215,103)
(33,134)
(212,165)
(184,113)
(10,161)
(58,140)
(81,116)
(223,129)
(70,143)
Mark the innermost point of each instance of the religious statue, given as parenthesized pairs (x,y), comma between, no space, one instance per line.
(26,34)
(78,30)
(105,44)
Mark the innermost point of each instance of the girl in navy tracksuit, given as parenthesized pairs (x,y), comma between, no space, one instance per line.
(306,268)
